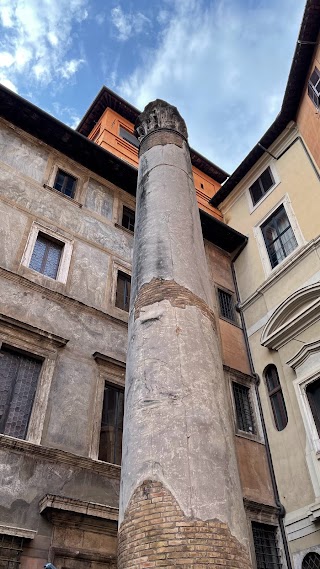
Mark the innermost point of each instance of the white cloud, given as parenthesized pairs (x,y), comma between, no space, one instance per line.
(36,39)
(7,83)
(224,65)
(128,25)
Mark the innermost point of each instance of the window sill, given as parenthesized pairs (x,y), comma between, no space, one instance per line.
(124,229)
(71,200)
(248,436)
(232,322)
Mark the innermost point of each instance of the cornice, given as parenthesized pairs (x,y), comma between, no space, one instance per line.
(94,509)
(299,311)
(58,296)
(59,456)
(14,323)
(303,354)
(18,532)
(283,268)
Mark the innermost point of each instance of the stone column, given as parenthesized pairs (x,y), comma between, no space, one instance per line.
(180,500)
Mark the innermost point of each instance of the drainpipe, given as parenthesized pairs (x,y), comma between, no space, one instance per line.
(280,506)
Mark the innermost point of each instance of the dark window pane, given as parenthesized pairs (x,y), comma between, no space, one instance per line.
(265,546)
(10,551)
(311,561)
(314,87)
(261,186)
(123,291)
(276,397)
(65,183)
(18,381)
(46,256)
(266,180)
(313,393)
(226,305)
(128,218)
(244,413)
(111,425)
(278,236)
(129,137)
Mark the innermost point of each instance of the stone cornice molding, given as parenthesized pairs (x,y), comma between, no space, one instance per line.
(14,323)
(159,115)
(295,314)
(303,354)
(58,296)
(285,266)
(55,502)
(17,532)
(59,456)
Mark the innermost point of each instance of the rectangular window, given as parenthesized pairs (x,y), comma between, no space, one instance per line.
(314,87)
(261,186)
(313,394)
(18,382)
(129,137)
(123,291)
(244,414)
(265,546)
(128,218)
(226,305)
(46,256)
(278,236)
(111,425)
(65,183)
(10,551)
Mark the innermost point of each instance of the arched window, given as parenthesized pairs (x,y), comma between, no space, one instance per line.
(311,561)
(276,397)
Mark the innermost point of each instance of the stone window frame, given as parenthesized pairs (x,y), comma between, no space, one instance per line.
(301,385)
(65,259)
(111,370)
(123,268)
(44,345)
(68,169)
(257,232)
(263,514)
(236,376)
(236,321)
(271,165)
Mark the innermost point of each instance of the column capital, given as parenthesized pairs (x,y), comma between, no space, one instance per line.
(159,115)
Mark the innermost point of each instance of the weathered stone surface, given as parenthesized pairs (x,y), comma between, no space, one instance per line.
(99,199)
(159,115)
(22,155)
(178,431)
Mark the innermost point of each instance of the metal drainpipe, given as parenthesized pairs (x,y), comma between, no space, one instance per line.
(280,506)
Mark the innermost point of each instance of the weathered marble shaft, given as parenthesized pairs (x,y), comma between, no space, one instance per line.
(181,502)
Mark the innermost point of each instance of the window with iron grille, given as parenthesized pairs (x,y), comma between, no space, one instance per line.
(226,303)
(266,546)
(278,236)
(311,561)
(46,256)
(244,414)
(10,551)
(123,291)
(19,376)
(129,137)
(313,394)
(314,87)
(276,397)
(261,186)
(65,183)
(128,218)
(111,425)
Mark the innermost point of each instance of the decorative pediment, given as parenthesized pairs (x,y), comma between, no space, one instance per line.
(294,315)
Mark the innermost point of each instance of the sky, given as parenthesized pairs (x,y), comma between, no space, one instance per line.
(223,63)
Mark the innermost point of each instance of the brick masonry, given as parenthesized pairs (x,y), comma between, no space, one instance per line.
(160,289)
(160,137)
(156,533)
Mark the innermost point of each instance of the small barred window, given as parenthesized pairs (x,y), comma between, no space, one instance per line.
(244,414)
(226,303)
(10,551)
(311,561)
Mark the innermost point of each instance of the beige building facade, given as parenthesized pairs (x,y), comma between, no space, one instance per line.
(274,199)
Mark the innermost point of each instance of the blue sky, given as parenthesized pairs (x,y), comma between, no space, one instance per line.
(223,63)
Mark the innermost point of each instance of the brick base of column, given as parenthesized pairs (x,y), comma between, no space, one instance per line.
(156,533)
